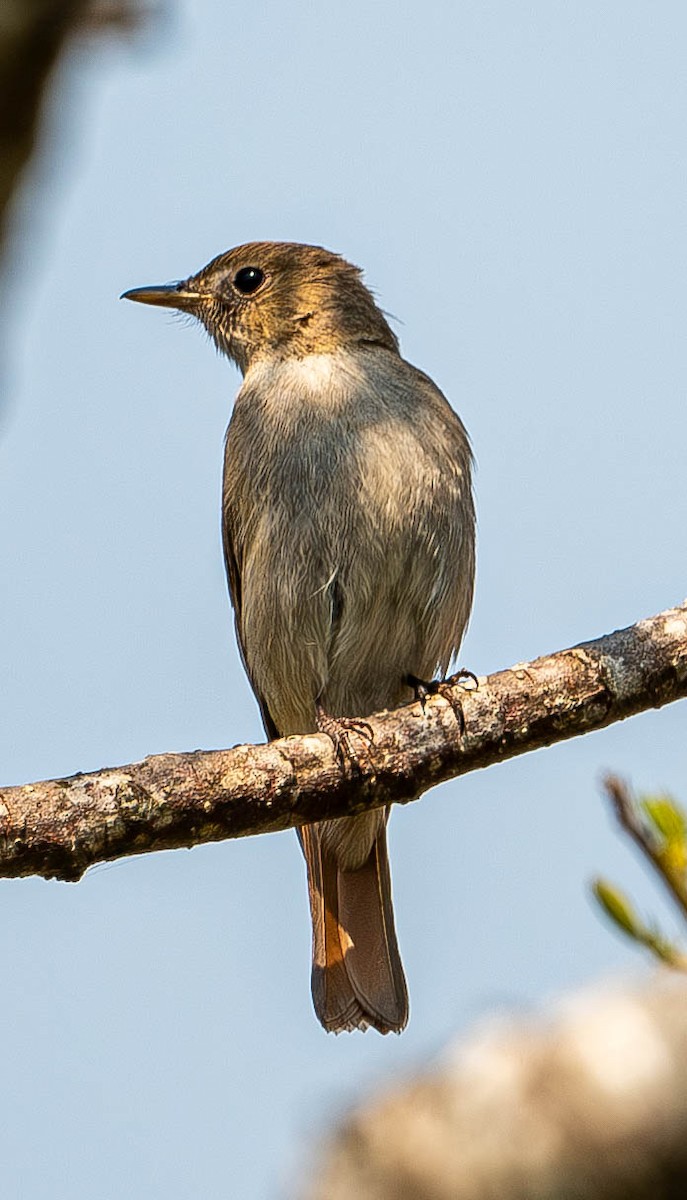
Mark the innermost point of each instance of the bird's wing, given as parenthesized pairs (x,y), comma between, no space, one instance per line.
(234,581)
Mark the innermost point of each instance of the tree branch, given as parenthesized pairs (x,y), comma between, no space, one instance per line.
(61,827)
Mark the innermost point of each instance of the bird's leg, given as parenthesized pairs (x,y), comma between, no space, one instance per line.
(442,687)
(342,731)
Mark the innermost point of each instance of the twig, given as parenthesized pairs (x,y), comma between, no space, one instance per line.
(630,820)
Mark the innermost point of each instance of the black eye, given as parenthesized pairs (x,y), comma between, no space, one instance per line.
(248,280)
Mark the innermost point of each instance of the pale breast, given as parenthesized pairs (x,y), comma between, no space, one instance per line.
(347,494)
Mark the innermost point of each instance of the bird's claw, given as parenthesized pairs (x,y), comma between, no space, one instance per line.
(342,731)
(443,687)
(460,678)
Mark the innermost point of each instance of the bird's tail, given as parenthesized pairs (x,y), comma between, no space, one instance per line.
(357,974)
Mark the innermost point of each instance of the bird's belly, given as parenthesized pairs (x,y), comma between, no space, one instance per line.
(355,571)
(339,616)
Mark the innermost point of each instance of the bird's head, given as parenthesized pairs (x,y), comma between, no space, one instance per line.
(277,298)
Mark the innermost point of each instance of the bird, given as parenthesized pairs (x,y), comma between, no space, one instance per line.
(348,528)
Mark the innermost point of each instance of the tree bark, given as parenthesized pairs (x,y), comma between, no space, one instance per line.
(61,827)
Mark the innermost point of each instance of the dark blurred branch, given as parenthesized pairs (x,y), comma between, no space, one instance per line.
(33,34)
(62,827)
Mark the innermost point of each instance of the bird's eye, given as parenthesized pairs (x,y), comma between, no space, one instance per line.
(248,280)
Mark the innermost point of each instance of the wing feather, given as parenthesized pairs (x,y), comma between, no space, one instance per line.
(233,570)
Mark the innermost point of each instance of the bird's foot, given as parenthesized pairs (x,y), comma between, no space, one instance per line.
(443,687)
(343,731)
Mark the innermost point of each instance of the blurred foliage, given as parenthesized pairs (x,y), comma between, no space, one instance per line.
(658,826)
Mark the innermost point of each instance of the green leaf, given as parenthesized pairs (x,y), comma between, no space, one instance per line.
(666,817)
(667,951)
(618,908)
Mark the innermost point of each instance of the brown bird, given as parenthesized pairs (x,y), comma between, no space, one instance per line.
(349,540)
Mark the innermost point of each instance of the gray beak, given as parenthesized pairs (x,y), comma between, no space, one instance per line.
(166,295)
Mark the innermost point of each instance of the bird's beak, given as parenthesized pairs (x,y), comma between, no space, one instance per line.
(167,295)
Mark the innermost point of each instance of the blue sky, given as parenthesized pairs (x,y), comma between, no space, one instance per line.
(511,177)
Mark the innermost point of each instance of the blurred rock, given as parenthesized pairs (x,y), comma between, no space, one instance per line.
(592,1104)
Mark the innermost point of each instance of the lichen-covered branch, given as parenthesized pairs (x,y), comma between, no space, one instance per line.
(61,827)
